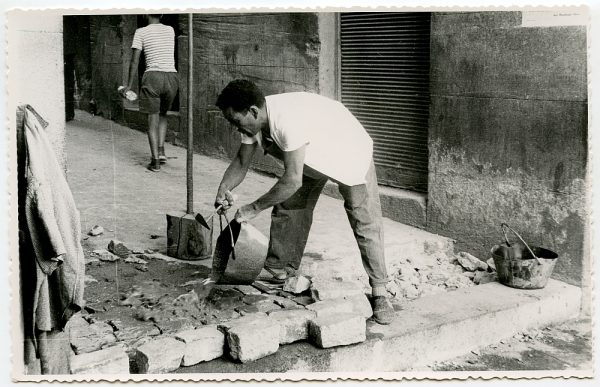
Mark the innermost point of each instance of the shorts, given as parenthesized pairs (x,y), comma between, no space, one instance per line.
(158,91)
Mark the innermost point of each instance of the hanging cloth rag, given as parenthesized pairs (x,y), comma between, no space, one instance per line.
(52,260)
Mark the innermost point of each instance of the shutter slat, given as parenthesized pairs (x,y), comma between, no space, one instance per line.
(385,83)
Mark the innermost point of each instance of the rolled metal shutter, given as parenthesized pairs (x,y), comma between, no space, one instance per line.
(385,84)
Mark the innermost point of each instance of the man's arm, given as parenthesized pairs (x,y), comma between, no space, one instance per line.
(133,65)
(285,187)
(236,172)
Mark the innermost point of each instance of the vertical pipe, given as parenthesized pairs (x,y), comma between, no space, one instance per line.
(190,111)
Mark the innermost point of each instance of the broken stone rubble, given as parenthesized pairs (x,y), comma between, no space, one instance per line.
(118,248)
(105,255)
(96,230)
(470,262)
(296,284)
(134,259)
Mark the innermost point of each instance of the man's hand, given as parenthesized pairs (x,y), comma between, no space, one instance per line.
(225,199)
(123,91)
(246,213)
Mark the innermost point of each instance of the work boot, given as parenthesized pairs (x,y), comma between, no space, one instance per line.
(154,165)
(383,313)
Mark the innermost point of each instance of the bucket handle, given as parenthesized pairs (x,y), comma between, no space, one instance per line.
(224,214)
(504,225)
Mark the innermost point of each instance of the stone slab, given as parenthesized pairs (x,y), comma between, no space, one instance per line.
(91,337)
(255,340)
(159,356)
(112,360)
(294,324)
(325,289)
(225,326)
(334,306)
(202,344)
(339,329)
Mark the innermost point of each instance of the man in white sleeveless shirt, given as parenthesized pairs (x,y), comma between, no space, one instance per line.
(317,139)
(160,82)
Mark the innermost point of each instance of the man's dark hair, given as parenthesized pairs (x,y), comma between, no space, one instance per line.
(240,95)
(156,15)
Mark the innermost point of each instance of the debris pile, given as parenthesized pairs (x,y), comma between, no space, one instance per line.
(437,273)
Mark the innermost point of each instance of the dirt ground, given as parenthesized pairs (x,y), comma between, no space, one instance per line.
(113,189)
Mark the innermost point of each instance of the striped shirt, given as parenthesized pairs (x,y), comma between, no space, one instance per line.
(158,43)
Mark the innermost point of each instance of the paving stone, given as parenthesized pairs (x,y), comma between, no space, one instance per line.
(284,302)
(255,340)
(294,324)
(331,307)
(248,289)
(264,288)
(175,325)
(471,263)
(285,294)
(259,307)
(113,360)
(134,332)
(202,344)
(338,329)
(296,284)
(303,300)
(360,305)
(90,337)
(160,355)
(255,299)
(118,248)
(329,289)
(247,319)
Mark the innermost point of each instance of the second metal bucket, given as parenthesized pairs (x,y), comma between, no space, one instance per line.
(520,266)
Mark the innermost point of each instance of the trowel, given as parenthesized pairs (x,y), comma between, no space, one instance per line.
(204,222)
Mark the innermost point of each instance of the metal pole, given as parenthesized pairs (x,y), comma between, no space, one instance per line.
(190,107)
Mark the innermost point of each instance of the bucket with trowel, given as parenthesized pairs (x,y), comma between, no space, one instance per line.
(522,266)
(238,256)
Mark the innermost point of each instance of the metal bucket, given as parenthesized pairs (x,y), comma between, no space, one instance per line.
(520,266)
(240,254)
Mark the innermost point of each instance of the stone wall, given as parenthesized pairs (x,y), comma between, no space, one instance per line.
(280,52)
(508,135)
(36,70)
(35,77)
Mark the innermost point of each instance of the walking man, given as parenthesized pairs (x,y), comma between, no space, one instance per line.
(160,82)
(317,139)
